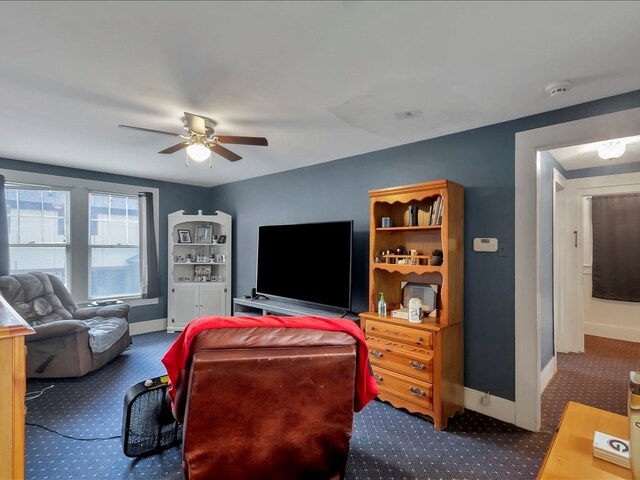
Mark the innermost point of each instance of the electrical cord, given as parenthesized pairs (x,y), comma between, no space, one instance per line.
(33,395)
(71,437)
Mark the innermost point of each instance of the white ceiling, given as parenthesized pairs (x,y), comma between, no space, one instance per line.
(320,80)
(586,155)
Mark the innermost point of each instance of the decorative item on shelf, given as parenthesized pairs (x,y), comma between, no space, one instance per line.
(189,258)
(386,222)
(184,236)
(203,273)
(201,258)
(413,215)
(415,310)
(427,294)
(413,260)
(400,250)
(203,233)
(388,257)
(222,239)
(214,239)
(436,258)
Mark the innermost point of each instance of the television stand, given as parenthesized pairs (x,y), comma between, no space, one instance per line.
(260,306)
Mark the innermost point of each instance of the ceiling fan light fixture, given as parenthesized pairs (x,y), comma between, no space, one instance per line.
(198,152)
(611,149)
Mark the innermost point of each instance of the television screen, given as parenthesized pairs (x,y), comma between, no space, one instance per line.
(309,262)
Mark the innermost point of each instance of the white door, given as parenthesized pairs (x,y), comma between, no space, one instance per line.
(212,300)
(186,306)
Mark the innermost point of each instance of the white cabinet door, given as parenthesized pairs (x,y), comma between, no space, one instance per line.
(186,305)
(212,300)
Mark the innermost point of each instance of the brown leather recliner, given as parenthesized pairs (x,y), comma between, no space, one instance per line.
(268,403)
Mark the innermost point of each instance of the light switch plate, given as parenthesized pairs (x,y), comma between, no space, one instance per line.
(483,244)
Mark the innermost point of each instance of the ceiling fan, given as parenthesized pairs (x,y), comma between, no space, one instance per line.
(200,139)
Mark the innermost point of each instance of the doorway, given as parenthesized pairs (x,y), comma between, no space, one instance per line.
(527,245)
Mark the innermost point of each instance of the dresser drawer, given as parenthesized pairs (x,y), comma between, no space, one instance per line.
(401,334)
(410,389)
(408,359)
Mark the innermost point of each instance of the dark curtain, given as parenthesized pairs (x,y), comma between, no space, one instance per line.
(148,251)
(4,231)
(616,247)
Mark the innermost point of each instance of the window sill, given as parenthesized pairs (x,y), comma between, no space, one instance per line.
(132,301)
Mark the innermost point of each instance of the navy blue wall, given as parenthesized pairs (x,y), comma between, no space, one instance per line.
(172,197)
(481,159)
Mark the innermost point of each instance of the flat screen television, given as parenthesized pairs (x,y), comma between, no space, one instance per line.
(306,262)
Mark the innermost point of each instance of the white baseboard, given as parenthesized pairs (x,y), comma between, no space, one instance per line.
(612,331)
(148,326)
(497,407)
(547,373)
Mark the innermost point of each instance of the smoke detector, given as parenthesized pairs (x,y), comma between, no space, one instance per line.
(554,89)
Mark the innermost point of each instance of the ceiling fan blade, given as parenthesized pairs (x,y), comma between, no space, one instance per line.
(228,154)
(259,141)
(175,148)
(151,130)
(195,123)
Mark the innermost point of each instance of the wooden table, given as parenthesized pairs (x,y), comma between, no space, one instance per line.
(570,455)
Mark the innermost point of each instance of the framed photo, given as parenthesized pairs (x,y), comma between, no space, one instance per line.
(184,236)
(426,292)
(222,239)
(203,233)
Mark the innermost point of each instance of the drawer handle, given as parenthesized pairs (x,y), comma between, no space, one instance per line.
(420,339)
(416,391)
(376,353)
(372,328)
(416,365)
(377,377)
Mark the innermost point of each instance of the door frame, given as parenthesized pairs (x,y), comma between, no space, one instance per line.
(560,239)
(527,248)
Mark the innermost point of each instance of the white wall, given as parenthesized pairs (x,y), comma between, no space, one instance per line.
(603,318)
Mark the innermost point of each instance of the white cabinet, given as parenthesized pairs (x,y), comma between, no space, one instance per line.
(199,279)
(194,301)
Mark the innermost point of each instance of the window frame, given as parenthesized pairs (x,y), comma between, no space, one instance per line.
(92,246)
(13,185)
(78,258)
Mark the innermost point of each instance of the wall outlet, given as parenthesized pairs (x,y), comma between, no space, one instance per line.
(485,399)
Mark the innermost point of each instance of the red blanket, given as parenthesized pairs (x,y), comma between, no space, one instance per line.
(175,360)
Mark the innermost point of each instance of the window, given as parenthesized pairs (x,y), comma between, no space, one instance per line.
(39,230)
(113,245)
(84,231)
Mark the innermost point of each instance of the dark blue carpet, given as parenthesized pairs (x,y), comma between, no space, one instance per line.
(387,444)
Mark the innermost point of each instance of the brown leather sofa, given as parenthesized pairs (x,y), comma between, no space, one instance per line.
(267,403)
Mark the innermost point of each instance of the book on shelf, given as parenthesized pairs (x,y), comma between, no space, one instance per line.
(434,209)
(440,208)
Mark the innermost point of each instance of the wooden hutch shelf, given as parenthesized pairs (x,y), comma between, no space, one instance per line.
(418,366)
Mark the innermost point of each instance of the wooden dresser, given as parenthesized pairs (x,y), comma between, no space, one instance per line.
(418,366)
(12,391)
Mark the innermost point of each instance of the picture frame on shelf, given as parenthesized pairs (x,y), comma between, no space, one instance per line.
(426,292)
(203,233)
(184,236)
(222,239)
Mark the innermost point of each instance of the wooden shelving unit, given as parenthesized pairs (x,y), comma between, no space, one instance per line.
(418,366)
